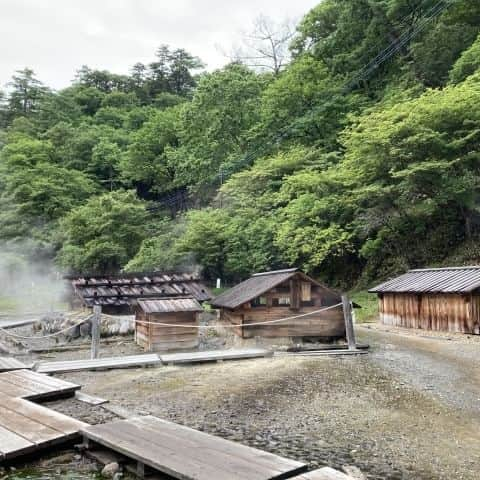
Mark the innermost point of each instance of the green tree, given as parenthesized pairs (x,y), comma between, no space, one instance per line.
(104,234)
(146,163)
(467,64)
(213,128)
(26,93)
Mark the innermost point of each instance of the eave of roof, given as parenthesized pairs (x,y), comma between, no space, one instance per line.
(433,280)
(258,284)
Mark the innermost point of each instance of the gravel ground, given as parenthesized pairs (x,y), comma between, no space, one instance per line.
(402,412)
(406,411)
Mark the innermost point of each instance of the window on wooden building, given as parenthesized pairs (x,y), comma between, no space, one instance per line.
(259,302)
(306,291)
(281,301)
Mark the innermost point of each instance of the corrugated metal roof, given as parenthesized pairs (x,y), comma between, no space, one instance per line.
(255,286)
(167,305)
(433,280)
(122,290)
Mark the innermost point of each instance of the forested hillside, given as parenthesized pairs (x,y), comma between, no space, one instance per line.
(350,174)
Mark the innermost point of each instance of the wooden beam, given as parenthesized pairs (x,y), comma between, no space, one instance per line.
(97,312)
(347,314)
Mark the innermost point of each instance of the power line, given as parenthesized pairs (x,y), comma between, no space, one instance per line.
(363,74)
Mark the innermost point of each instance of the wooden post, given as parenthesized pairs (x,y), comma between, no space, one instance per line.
(97,312)
(347,315)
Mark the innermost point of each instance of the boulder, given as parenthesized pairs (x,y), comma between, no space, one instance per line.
(111,470)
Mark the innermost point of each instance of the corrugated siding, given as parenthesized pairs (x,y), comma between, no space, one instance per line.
(440,312)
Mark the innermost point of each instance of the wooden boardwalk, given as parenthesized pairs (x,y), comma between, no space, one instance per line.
(187,454)
(9,363)
(108,363)
(26,427)
(34,386)
(214,356)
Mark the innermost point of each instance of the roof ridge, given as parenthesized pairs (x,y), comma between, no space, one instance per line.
(434,269)
(274,272)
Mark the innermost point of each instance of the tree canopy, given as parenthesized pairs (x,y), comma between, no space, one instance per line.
(348,167)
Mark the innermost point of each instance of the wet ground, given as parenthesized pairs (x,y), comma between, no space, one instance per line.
(409,410)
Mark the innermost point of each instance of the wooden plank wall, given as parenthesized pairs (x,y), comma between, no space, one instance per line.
(325,324)
(161,338)
(440,312)
(328,324)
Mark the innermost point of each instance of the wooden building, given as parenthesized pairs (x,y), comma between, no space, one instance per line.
(118,294)
(171,311)
(443,299)
(282,294)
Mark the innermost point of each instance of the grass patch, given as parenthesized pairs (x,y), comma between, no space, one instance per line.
(369,304)
(8,305)
(218,291)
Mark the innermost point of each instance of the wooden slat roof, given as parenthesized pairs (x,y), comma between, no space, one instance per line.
(433,280)
(167,305)
(117,290)
(257,285)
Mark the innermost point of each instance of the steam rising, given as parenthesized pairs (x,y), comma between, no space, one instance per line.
(29,281)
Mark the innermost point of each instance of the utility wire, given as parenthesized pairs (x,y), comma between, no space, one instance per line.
(363,74)
(268,322)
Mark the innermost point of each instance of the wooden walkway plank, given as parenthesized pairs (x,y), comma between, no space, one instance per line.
(12,443)
(34,386)
(325,473)
(9,363)
(39,414)
(34,432)
(42,379)
(98,363)
(25,426)
(214,355)
(91,400)
(14,390)
(187,454)
(259,458)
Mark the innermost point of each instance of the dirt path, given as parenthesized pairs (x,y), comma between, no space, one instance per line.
(448,366)
(407,411)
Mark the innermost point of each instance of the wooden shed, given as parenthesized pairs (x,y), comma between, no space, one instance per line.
(282,294)
(172,311)
(443,299)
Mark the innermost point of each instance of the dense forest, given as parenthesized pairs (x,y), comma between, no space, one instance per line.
(348,168)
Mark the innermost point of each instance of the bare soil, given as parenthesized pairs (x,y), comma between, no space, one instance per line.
(407,410)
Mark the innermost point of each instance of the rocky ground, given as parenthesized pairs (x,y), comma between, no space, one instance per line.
(409,410)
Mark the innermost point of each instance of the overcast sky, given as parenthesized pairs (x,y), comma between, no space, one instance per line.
(57,37)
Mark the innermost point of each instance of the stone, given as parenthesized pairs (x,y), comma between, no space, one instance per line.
(110,470)
(354,472)
(85,329)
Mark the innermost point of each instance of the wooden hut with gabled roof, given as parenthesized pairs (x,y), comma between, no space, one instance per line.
(442,299)
(278,295)
(178,318)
